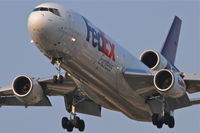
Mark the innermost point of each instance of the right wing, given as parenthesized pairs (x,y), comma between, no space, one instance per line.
(49,87)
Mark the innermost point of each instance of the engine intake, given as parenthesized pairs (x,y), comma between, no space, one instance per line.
(27,90)
(22,85)
(169,83)
(153,60)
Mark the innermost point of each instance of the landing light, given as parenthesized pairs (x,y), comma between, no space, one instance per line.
(73,39)
(32,41)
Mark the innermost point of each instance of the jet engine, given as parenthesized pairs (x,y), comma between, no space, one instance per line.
(169,84)
(154,60)
(27,90)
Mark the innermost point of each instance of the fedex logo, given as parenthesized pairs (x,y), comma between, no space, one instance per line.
(98,39)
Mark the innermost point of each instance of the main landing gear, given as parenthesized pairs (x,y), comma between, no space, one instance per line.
(166,119)
(57,78)
(161,113)
(73,122)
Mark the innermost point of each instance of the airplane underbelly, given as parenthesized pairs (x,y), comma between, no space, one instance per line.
(87,69)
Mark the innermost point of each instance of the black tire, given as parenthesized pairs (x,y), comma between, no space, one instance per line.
(60,79)
(70,126)
(55,80)
(166,118)
(160,123)
(76,122)
(171,122)
(155,119)
(65,122)
(81,127)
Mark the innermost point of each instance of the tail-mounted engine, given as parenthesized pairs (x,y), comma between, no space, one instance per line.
(169,84)
(154,60)
(27,90)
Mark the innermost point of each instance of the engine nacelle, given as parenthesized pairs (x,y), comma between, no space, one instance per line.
(27,90)
(154,60)
(169,84)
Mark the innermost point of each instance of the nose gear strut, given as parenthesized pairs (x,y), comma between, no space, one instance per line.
(57,78)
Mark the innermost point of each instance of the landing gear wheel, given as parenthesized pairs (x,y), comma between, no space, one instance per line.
(155,119)
(70,126)
(81,126)
(55,80)
(171,122)
(60,79)
(65,122)
(166,118)
(76,122)
(160,123)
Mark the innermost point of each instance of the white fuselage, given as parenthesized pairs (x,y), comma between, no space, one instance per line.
(91,57)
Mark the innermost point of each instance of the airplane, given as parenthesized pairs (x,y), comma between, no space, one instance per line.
(100,73)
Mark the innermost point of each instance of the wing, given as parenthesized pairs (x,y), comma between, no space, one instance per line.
(48,85)
(192,82)
(7,97)
(142,83)
(68,88)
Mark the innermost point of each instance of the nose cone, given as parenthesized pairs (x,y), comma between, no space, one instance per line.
(43,27)
(37,23)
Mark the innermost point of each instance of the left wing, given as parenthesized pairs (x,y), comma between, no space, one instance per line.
(142,83)
(192,82)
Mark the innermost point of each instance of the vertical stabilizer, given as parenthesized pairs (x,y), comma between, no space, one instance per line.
(171,43)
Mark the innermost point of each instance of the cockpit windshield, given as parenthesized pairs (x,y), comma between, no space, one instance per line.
(52,10)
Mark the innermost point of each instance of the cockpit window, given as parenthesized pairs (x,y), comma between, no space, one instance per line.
(52,10)
(44,9)
(55,11)
(36,9)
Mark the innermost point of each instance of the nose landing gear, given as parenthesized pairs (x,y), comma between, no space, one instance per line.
(73,122)
(57,78)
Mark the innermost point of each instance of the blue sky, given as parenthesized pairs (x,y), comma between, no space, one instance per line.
(137,25)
